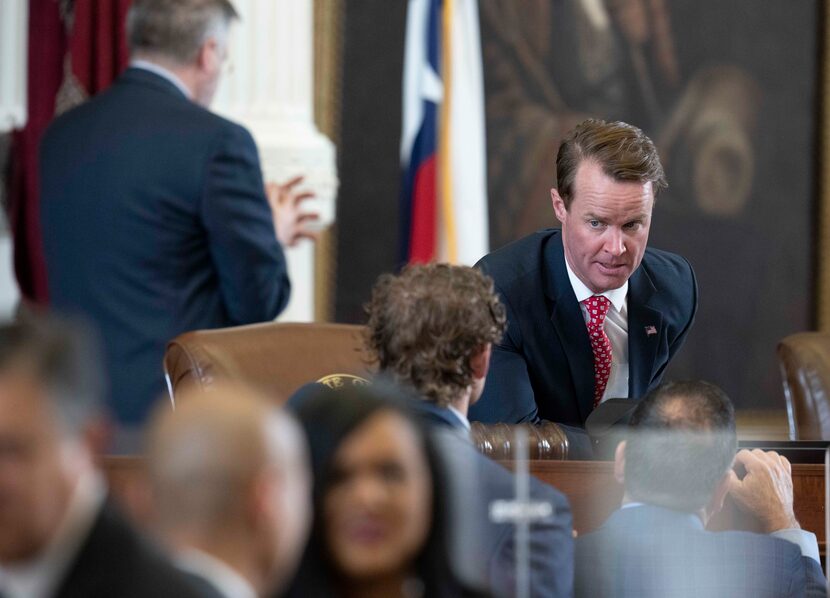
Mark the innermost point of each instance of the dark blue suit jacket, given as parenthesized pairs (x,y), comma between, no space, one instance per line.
(551,541)
(543,368)
(649,551)
(115,560)
(155,222)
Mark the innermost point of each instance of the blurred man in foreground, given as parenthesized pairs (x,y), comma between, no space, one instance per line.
(59,536)
(676,467)
(232,487)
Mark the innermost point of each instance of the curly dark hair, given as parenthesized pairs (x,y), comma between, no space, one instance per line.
(428,321)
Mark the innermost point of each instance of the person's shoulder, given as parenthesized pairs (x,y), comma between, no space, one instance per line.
(674,279)
(519,259)
(665,265)
(521,251)
(75,120)
(231,135)
(759,543)
(117,560)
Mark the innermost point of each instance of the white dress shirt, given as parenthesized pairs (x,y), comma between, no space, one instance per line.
(40,577)
(226,580)
(616,329)
(461,417)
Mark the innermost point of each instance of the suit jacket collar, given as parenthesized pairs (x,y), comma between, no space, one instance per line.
(568,323)
(648,516)
(147,78)
(435,414)
(645,326)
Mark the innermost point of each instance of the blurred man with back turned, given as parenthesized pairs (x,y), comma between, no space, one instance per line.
(230,477)
(59,535)
(676,466)
(155,217)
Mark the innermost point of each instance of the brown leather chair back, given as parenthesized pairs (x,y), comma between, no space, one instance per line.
(280,358)
(276,357)
(804,359)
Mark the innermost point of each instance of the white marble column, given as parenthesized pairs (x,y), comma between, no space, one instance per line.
(14,20)
(14,28)
(268,87)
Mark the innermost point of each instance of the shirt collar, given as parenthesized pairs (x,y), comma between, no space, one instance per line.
(694,518)
(42,575)
(461,417)
(162,72)
(229,583)
(582,292)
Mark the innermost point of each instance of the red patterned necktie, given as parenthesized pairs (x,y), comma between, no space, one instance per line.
(597,310)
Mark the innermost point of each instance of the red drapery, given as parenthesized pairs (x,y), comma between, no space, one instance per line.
(96,51)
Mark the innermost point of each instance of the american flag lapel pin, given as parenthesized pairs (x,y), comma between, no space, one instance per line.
(651,330)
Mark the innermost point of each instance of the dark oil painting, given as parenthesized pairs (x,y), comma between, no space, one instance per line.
(729,91)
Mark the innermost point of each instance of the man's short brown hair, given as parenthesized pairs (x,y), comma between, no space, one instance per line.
(623,151)
(427,322)
(175,29)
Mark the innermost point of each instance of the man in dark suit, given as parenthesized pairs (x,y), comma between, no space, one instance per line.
(230,477)
(592,312)
(155,217)
(431,328)
(676,466)
(60,535)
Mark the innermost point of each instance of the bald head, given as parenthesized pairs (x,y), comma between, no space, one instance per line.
(227,469)
(681,442)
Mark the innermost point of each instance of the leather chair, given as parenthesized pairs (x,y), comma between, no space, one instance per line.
(280,358)
(276,357)
(804,359)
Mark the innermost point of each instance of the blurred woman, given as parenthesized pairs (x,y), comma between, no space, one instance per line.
(379,510)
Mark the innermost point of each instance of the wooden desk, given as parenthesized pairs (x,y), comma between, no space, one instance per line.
(589,485)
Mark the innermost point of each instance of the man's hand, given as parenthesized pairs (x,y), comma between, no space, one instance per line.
(289,220)
(766,490)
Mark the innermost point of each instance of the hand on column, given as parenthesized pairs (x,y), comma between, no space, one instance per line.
(290,221)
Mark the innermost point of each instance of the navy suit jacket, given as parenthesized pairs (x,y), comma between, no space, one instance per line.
(551,541)
(114,560)
(649,551)
(155,222)
(543,368)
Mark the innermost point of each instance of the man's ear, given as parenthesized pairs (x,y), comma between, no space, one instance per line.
(480,361)
(558,205)
(208,55)
(619,463)
(259,502)
(718,496)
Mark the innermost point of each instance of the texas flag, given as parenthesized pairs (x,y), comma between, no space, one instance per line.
(443,147)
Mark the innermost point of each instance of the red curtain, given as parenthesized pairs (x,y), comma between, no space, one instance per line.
(96,50)
(98,45)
